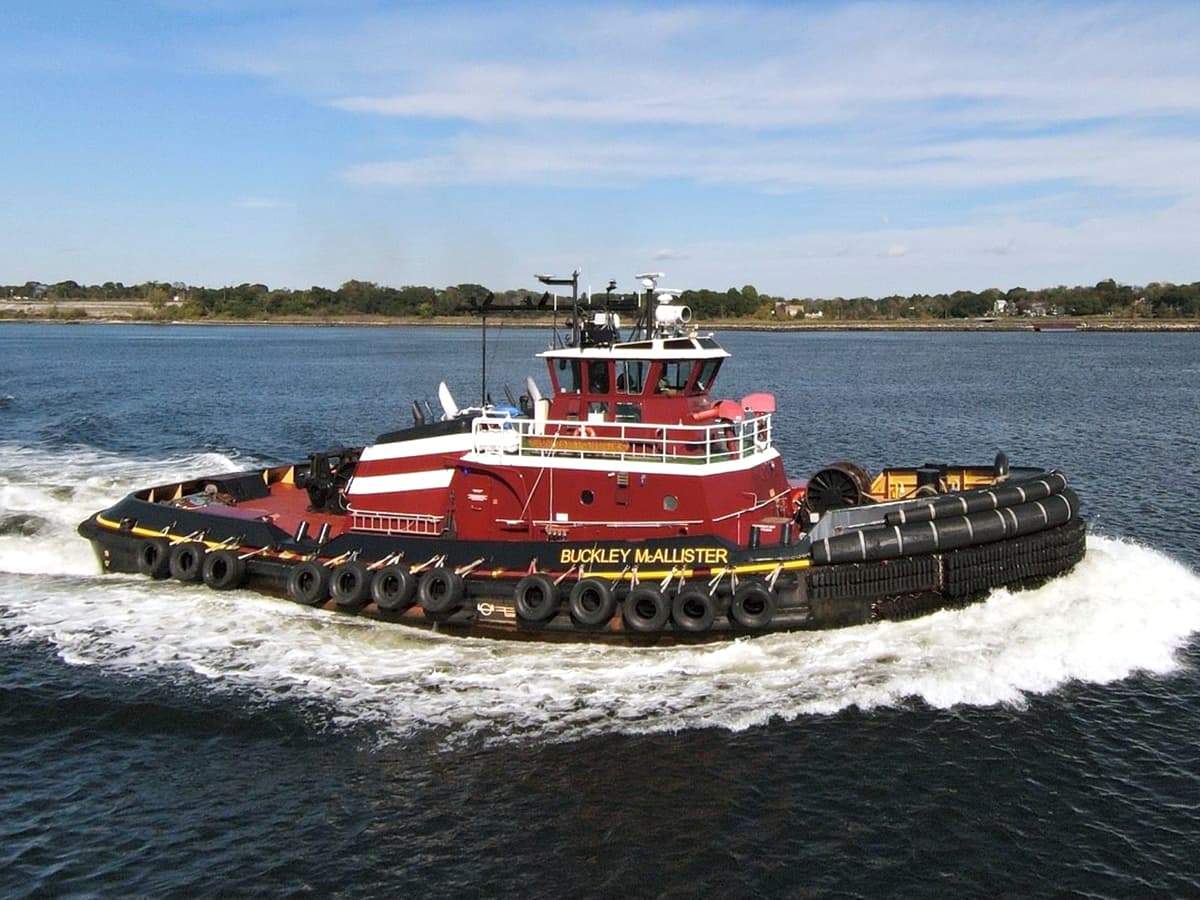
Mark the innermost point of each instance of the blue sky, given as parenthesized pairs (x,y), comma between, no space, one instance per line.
(811,149)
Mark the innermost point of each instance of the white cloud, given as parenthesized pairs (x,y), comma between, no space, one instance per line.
(1132,248)
(863,96)
(748,66)
(1108,157)
(1056,140)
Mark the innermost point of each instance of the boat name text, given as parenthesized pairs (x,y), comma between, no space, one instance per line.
(643,556)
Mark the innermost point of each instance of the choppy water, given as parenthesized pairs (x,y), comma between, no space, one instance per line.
(166,740)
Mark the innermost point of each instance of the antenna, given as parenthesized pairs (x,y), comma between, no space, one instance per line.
(649,280)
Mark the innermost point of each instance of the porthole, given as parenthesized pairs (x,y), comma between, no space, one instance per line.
(670,503)
(586,498)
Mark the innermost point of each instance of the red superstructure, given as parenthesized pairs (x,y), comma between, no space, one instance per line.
(631,443)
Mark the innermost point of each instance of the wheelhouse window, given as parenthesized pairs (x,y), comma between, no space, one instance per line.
(631,375)
(674,376)
(708,374)
(598,376)
(566,375)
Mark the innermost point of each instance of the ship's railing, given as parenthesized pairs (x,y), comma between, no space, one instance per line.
(623,441)
(397,523)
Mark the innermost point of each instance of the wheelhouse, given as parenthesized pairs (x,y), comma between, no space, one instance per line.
(657,380)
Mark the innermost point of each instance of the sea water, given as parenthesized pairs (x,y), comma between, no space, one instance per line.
(162,739)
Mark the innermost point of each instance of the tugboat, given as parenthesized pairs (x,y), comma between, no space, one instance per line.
(632,504)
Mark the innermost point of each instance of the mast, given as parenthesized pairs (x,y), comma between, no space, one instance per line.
(483,312)
(573,281)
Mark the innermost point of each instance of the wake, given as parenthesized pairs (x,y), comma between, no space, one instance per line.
(45,494)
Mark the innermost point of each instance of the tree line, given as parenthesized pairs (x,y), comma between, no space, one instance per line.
(174,300)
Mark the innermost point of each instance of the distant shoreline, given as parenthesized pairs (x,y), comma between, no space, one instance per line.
(989,324)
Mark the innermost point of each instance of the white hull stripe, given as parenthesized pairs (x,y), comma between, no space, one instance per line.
(448,443)
(395,484)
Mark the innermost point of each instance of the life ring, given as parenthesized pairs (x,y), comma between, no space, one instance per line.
(645,609)
(393,587)
(589,431)
(753,605)
(591,602)
(186,560)
(350,585)
(694,609)
(440,591)
(223,570)
(308,583)
(536,598)
(153,558)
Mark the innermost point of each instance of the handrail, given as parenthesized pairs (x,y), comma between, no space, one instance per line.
(397,523)
(626,441)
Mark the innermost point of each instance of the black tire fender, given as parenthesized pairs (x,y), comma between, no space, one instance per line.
(591,602)
(393,588)
(186,561)
(223,570)
(536,598)
(645,609)
(153,558)
(350,585)
(752,606)
(694,609)
(308,583)
(441,590)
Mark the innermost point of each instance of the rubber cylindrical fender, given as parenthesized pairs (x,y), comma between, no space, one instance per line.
(308,583)
(903,540)
(153,557)
(393,588)
(223,570)
(986,527)
(979,528)
(350,585)
(753,605)
(1046,513)
(694,609)
(591,602)
(930,536)
(186,560)
(536,598)
(440,590)
(1009,494)
(645,609)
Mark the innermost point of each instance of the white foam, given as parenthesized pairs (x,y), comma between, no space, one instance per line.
(61,488)
(1125,609)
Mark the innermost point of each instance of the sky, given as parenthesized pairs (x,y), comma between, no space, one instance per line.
(811,149)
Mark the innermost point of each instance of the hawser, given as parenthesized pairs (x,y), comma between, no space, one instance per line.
(631,503)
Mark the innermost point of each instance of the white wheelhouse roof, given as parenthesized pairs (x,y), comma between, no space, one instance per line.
(691,348)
